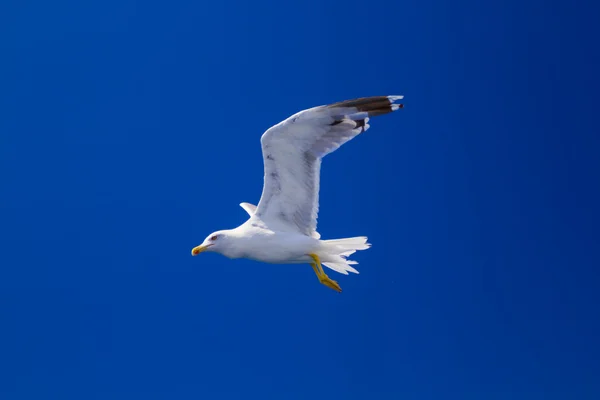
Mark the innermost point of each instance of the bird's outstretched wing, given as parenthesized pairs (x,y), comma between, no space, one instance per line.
(292,152)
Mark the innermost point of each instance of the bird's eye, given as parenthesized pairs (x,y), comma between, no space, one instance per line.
(214,237)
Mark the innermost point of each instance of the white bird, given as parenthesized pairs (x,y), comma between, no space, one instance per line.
(282,228)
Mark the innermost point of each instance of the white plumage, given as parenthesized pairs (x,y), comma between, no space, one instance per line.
(282,228)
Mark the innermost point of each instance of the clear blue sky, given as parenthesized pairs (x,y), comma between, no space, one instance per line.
(130,130)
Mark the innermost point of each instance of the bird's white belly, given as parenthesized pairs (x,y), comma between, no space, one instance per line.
(280,248)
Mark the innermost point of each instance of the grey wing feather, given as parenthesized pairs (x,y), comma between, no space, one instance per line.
(292,152)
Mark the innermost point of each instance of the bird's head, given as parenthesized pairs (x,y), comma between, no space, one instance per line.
(215,242)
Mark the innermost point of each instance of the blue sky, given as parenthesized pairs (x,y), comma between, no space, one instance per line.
(130,130)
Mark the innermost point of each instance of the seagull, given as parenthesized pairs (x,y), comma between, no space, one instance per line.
(282,229)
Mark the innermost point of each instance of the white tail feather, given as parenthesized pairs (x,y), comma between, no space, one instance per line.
(335,251)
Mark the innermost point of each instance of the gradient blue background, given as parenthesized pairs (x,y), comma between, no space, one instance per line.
(130,130)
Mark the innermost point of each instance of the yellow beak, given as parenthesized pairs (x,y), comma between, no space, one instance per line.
(198,249)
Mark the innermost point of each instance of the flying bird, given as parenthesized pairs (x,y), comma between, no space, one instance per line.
(282,229)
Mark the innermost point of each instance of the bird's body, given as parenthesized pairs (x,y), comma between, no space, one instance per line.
(282,228)
(257,242)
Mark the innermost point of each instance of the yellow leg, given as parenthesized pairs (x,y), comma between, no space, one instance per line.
(323,278)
